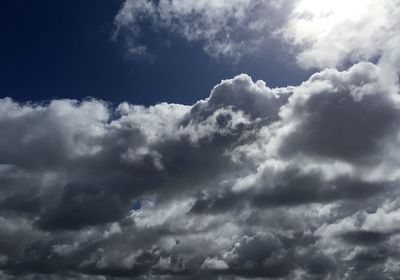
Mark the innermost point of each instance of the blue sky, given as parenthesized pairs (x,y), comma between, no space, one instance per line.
(64,50)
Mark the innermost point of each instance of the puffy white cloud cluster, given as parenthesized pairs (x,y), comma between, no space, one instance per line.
(252,182)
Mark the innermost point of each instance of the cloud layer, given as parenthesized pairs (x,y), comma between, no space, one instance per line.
(252,182)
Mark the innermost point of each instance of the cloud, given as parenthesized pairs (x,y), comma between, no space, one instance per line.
(332,106)
(223,28)
(337,32)
(318,35)
(251,182)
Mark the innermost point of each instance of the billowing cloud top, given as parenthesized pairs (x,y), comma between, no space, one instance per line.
(299,182)
(292,183)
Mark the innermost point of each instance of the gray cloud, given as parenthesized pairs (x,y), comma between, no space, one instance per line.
(252,182)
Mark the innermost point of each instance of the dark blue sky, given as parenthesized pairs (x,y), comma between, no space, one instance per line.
(62,49)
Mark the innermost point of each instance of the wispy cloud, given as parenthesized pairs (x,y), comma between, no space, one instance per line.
(224,28)
(318,34)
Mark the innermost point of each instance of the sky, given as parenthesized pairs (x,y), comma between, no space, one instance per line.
(65,49)
(200,139)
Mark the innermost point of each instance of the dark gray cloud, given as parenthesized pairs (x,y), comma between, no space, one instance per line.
(252,182)
(341,121)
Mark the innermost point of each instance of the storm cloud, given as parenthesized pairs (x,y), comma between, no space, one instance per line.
(253,182)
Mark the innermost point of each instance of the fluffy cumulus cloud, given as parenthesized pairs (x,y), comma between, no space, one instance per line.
(253,182)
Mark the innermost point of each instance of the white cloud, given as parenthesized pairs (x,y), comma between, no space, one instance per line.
(319,33)
(331,33)
(213,263)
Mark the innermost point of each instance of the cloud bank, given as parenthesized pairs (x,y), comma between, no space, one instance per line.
(253,182)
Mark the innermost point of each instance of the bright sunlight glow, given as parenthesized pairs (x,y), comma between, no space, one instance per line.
(333,9)
(317,18)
